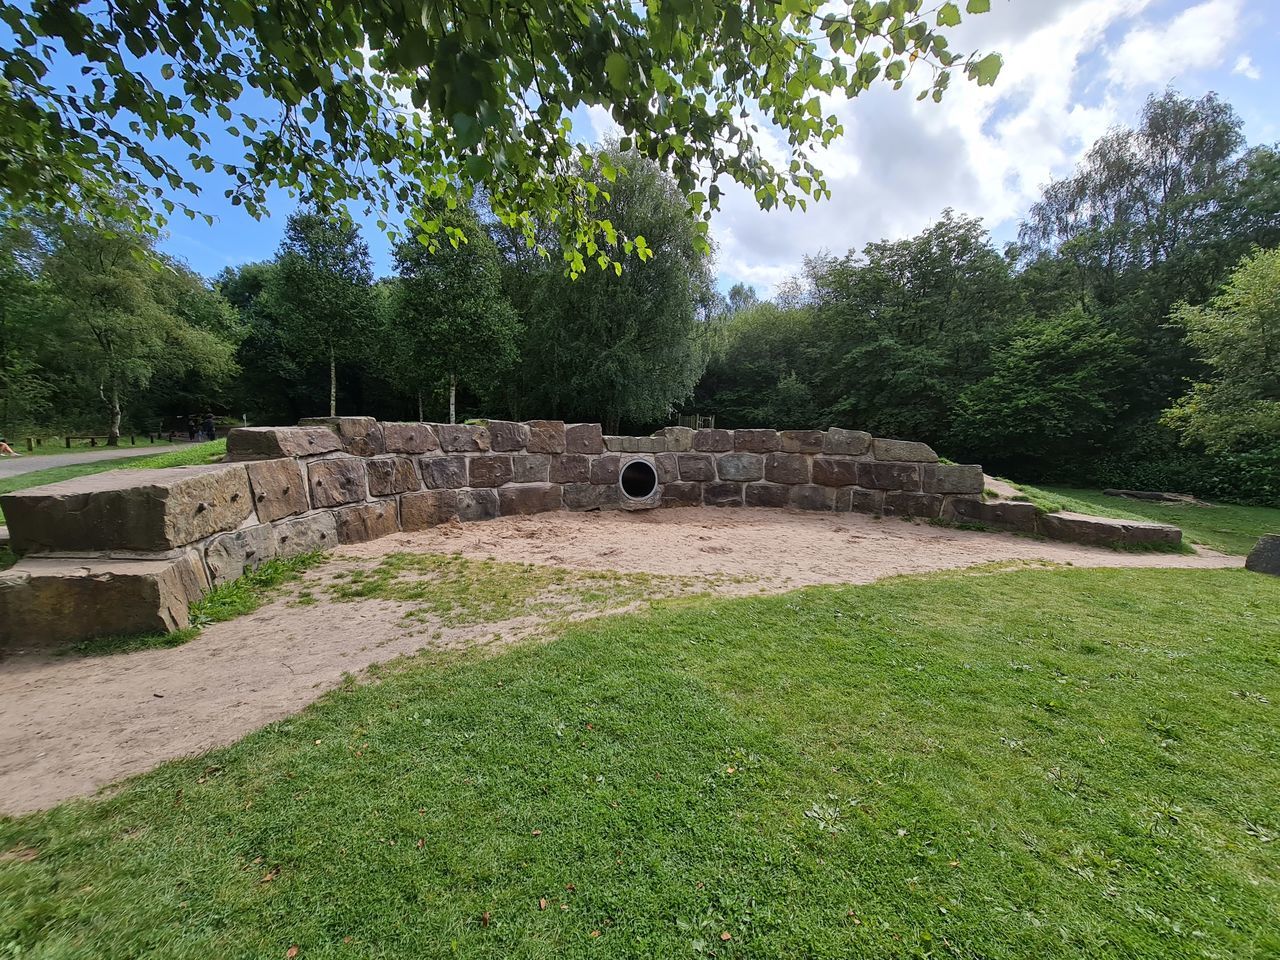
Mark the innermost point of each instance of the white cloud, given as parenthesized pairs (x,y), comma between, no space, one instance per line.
(1198,37)
(1245,67)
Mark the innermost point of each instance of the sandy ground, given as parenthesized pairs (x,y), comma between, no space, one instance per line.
(70,726)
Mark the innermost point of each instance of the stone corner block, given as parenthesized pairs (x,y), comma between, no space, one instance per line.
(269,443)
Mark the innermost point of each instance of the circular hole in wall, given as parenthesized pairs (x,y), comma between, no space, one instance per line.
(639,480)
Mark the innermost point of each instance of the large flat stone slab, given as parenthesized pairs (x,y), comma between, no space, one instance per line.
(142,510)
(1105,532)
(268,443)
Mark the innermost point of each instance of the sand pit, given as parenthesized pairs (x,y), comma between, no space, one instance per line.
(69,726)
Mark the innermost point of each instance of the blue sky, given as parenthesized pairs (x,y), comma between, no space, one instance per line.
(1073,68)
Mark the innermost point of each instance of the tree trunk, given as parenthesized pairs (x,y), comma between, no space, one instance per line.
(453,398)
(113,410)
(419,406)
(333,384)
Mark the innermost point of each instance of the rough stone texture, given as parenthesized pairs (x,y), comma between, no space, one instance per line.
(810,496)
(366,521)
(786,468)
(951,478)
(1265,555)
(591,496)
(507,435)
(583,438)
(622,444)
(477,505)
(410,438)
(767,495)
(317,531)
(605,469)
(45,601)
(756,441)
(835,473)
(278,487)
(231,555)
(1102,532)
(338,481)
(571,468)
(903,450)
(650,445)
(696,466)
(360,436)
(801,441)
(268,443)
(678,494)
(491,471)
(905,503)
(531,468)
(546,436)
(677,439)
(848,443)
(744,467)
(668,467)
(888,476)
(858,500)
(1000,514)
(520,499)
(148,510)
(418,511)
(390,476)
(462,437)
(444,473)
(722,494)
(713,441)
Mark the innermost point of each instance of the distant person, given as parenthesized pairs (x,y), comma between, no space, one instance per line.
(210,428)
(191,428)
(6,450)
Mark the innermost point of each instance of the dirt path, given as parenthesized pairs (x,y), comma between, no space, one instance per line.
(12,466)
(71,726)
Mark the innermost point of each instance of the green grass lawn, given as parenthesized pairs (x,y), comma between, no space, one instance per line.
(1032,764)
(1227,527)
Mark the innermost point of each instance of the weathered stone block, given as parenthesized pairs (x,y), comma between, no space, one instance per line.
(268,443)
(338,481)
(756,441)
(1104,532)
(801,441)
(428,508)
(677,439)
(366,521)
(231,555)
(278,487)
(389,476)
(592,496)
(571,468)
(835,473)
(1000,514)
(410,438)
(622,444)
(696,466)
(444,473)
(722,493)
(905,503)
(1265,555)
(462,437)
(888,476)
(846,443)
(531,468)
(810,496)
(767,494)
(743,467)
(129,509)
(360,436)
(490,471)
(507,435)
(713,441)
(857,500)
(545,436)
(786,468)
(668,467)
(903,451)
(45,602)
(521,499)
(605,469)
(317,531)
(583,438)
(678,494)
(477,504)
(651,445)
(951,478)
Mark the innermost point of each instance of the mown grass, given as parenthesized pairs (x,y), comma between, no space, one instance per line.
(1029,764)
(225,602)
(1226,527)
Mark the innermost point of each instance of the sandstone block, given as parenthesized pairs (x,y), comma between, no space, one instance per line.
(767,494)
(1265,555)
(506,436)
(390,476)
(810,496)
(713,441)
(269,443)
(546,436)
(360,436)
(1104,532)
(477,504)
(756,441)
(278,487)
(951,478)
(583,438)
(592,496)
(677,439)
(605,469)
(743,467)
(835,473)
(338,481)
(801,441)
(462,437)
(679,494)
(366,521)
(444,473)
(786,468)
(316,531)
(668,467)
(696,466)
(230,555)
(410,438)
(1000,514)
(531,468)
(722,493)
(490,471)
(905,503)
(650,445)
(888,476)
(847,443)
(146,510)
(427,508)
(903,451)
(521,499)
(857,500)
(622,444)
(571,468)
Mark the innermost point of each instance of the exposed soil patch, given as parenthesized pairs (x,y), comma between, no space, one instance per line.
(70,726)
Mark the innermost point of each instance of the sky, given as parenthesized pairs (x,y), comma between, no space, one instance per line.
(1072,69)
